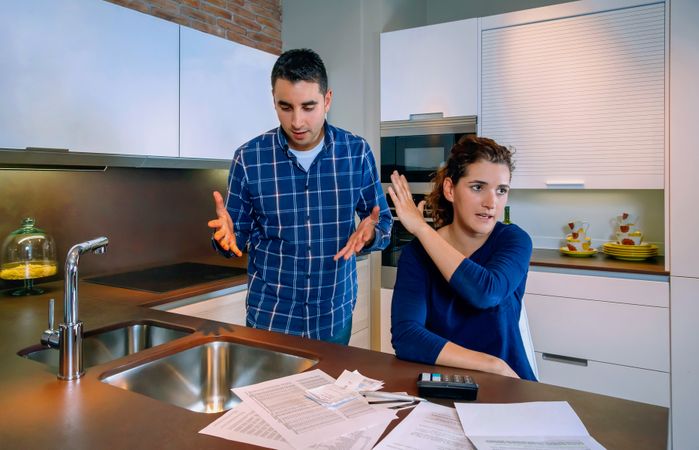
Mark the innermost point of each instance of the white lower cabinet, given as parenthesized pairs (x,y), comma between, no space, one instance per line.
(361,317)
(386,299)
(229,308)
(601,334)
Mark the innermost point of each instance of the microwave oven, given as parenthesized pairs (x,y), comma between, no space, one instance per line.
(416,148)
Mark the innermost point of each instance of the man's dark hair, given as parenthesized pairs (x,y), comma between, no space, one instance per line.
(301,64)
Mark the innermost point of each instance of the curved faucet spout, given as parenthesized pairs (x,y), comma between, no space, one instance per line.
(70,295)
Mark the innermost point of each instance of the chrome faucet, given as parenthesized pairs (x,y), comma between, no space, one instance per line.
(69,336)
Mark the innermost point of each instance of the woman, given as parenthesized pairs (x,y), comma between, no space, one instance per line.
(459,288)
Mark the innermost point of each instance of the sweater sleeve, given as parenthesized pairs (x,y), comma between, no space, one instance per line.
(484,286)
(409,308)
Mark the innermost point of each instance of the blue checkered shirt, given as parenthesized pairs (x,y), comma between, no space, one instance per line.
(294,221)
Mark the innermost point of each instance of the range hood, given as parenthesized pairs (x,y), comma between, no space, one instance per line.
(33,158)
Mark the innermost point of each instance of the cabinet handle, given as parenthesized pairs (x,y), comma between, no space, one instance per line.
(564,359)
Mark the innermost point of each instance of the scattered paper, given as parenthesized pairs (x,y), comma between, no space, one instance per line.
(282,403)
(519,426)
(331,395)
(355,381)
(241,424)
(427,426)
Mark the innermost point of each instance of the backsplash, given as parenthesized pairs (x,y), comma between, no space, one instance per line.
(545,213)
(150,216)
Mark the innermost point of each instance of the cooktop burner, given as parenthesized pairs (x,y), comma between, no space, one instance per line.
(168,278)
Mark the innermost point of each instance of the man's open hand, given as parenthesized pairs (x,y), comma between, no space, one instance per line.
(224,227)
(365,233)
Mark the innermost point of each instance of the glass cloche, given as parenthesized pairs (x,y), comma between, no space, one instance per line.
(28,253)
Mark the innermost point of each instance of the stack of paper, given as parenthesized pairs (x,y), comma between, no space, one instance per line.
(279,414)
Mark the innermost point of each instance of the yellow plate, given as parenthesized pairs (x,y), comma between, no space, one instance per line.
(630,258)
(625,252)
(582,254)
(630,248)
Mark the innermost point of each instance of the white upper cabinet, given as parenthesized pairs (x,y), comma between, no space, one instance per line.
(430,69)
(88,76)
(580,96)
(226,95)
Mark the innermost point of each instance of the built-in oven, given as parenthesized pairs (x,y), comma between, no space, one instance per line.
(418,147)
(415,148)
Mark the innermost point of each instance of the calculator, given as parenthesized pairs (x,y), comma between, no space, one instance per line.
(459,387)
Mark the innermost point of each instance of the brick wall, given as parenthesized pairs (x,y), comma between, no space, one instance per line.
(255,23)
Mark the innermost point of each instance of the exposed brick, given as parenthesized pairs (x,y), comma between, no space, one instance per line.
(216,11)
(255,23)
(231,27)
(265,39)
(209,28)
(242,12)
(269,49)
(191,3)
(220,3)
(198,15)
(249,24)
(269,23)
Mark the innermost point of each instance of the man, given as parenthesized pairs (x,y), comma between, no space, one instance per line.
(292,197)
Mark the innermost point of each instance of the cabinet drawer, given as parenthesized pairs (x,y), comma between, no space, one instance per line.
(630,335)
(227,308)
(618,290)
(629,383)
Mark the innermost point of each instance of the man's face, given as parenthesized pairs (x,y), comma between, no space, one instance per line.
(301,110)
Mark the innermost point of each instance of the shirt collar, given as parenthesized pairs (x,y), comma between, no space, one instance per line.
(328,139)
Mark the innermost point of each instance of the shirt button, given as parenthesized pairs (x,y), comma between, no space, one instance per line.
(308,218)
(308,276)
(309,248)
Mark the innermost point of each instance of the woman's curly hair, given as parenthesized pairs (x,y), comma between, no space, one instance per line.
(468,150)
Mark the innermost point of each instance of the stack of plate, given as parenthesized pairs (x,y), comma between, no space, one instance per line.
(630,252)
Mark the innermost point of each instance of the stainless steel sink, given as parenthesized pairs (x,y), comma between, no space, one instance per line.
(104,345)
(200,378)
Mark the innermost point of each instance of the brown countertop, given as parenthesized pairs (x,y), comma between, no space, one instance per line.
(39,411)
(554,258)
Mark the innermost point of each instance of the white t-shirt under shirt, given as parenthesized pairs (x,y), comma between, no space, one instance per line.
(306,157)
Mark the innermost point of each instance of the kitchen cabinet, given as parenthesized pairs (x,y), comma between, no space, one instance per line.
(386,300)
(602,334)
(226,97)
(228,307)
(683,219)
(431,69)
(578,90)
(361,317)
(88,76)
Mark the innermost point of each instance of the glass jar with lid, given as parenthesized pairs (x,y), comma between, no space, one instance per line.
(28,253)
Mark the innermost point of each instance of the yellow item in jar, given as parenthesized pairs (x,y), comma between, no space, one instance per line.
(27,270)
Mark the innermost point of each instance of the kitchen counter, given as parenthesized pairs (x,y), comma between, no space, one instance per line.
(39,411)
(600,261)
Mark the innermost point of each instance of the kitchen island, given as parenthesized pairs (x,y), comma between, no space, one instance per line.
(39,411)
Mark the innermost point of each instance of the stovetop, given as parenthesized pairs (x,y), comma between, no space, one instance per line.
(168,278)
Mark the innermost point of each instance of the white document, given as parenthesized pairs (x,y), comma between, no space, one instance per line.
(427,426)
(519,426)
(357,382)
(302,422)
(241,424)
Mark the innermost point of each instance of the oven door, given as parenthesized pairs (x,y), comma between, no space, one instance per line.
(416,157)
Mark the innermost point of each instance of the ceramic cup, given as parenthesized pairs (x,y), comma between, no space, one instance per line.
(579,228)
(576,244)
(629,238)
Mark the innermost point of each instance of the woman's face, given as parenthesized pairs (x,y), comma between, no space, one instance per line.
(479,197)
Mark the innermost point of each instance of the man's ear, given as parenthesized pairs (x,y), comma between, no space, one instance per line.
(448,189)
(328,100)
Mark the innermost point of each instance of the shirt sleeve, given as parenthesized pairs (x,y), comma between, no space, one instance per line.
(409,308)
(371,195)
(484,286)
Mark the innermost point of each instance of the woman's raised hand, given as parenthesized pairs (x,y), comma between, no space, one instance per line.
(410,215)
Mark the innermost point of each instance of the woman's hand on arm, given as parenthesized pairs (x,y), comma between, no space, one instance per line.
(445,257)
(453,355)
